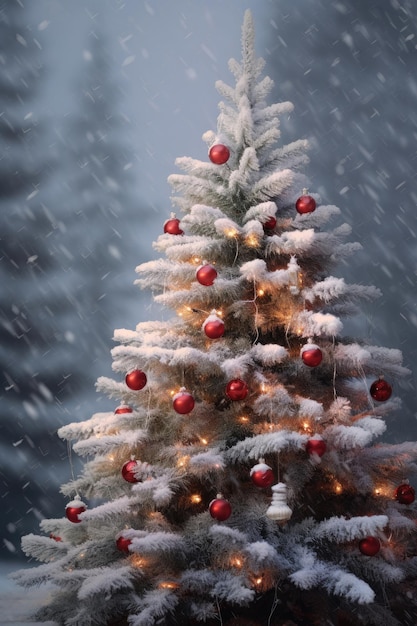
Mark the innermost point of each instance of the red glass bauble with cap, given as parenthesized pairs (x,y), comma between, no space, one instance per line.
(123,543)
(220,508)
(172,226)
(183,402)
(405,494)
(316,446)
(369,546)
(128,471)
(305,204)
(136,380)
(206,274)
(219,154)
(380,390)
(262,475)
(237,389)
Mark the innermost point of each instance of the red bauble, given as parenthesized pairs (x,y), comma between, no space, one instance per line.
(214,327)
(183,402)
(380,390)
(369,546)
(237,389)
(123,408)
(270,223)
(219,154)
(262,475)
(74,508)
(123,543)
(220,508)
(305,204)
(55,537)
(311,355)
(136,380)
(316,446)
(128,471)
(405,494)
(172,226)
(206,275)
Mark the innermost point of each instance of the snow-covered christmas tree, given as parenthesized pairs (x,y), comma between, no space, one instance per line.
(240,476)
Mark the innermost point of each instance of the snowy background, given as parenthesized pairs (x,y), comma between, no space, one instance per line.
(115,92)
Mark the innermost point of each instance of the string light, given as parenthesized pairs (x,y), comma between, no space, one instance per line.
(236,562)
(183,461)
(168,584)
(338,488)
(260,292)
(195,498)
(231,232)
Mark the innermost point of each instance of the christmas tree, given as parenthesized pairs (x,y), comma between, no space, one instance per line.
(241,478)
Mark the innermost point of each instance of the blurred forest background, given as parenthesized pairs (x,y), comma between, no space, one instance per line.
(97,99)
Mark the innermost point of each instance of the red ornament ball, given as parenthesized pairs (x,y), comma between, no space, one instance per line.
(55,537)
(183,402)
(206,275)
(380,390)
(172,226)
(270,223)
(369,546)
(305,204)
(220,508)
(316,446)
(405,494)
(214,328)
(262,475)
(219,154)
(123,408)
(311,355)
(123,543)
(128,471)
(237,389)
(73,510)
(136,380)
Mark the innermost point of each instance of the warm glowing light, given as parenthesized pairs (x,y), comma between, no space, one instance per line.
(251,240)
(338,488)
(244,419)
(168,584)
(258,581)
(138,561)
(111,458)
(236,562)
(204,441)
(197,260)
(306,426)
(182,461)
(195,498)
(377,491)
(231,232)
(219,313)
(260,292)
(173,392)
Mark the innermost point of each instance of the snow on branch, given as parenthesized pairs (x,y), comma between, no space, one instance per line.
(262,212)
(156,542)
(268,354)
(231,588)
(43,548)
(272,185)
(332,288)
(341,529)
(151,608)
(107,443)
(267,443)
(106,580)
(204,461)
(373,359)
(316,324)
(350,437)
(349,586)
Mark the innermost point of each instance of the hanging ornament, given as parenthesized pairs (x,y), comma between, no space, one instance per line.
(237,389)
(213,326)
(219,154)
(405,494)
(136,380)
(316,445)
(369,546)
(380,390)
(206,274)
(220,508)
(172,226)
(74,508)
(311,354)
(262,475)
(183,402)
(123,543)
(278,510)
(270,223)
(305,203)
(123,408)
(128,471)
(55,537)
